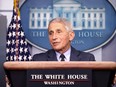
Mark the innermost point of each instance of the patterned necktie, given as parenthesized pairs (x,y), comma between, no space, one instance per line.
(62,57)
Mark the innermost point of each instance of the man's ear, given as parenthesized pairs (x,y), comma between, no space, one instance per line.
(71,35)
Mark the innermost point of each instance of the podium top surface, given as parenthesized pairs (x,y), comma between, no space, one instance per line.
(58,65)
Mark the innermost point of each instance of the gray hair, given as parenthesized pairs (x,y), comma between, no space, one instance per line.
(63,21)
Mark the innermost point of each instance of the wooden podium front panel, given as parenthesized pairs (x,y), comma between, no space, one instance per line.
(102,72)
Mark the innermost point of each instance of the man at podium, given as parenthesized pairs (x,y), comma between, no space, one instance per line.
(60,35)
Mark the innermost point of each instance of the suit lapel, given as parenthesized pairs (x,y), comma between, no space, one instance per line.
(51,55)
(74,55)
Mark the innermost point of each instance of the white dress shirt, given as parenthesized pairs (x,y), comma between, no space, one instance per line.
(66,54)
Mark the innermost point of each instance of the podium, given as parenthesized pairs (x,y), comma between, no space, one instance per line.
(102,73)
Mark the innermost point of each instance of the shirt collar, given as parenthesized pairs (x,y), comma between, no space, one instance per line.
(66,54)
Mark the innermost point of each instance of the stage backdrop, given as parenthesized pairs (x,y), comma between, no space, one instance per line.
(93,22)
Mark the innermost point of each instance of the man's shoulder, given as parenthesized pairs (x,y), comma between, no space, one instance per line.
(42,56)
(38,57)
(87,56)
(83,55)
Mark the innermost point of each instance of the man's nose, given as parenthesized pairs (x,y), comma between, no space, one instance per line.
(54,36)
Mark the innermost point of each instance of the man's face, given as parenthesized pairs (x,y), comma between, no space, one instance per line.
(59,37)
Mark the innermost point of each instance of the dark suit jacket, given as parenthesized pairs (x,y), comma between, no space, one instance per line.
(76,55)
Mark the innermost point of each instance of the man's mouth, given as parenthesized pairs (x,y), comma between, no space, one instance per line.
(55,43)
